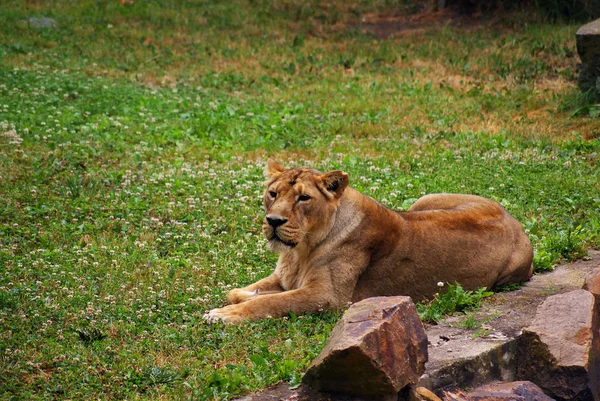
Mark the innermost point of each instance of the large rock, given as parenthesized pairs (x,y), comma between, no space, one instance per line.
(560,350)
(472,357)
(588,47)
(378,347)
(459,360)
(513,391)
(592,282)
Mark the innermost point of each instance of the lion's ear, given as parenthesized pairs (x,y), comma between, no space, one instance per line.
(335,182)
(273,168)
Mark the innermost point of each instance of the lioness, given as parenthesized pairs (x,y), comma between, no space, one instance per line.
(338,246)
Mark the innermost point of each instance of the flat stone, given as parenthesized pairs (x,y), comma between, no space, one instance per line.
(592,282)
(378,347)
(588,47)
(464,361)
(282,392)
(460,358)
(42,22)
(512,391)
(592,28)
(559,350)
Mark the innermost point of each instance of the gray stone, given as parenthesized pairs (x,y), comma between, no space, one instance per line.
(468,358)
(282,392)
(464,361)
(378,347)
(592,282)
(559,350)
(42,22)
(512,391)
(588,47)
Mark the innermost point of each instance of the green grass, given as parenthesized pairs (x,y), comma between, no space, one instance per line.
(132,144)
(451,300)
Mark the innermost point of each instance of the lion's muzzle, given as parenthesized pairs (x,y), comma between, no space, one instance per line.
(276,231)
(276,221)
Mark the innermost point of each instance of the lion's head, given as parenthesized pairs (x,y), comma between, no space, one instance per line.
(300,205)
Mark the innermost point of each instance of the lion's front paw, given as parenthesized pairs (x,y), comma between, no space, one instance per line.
(238,296)
(228,314)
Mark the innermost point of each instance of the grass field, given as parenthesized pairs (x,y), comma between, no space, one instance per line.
(132,143)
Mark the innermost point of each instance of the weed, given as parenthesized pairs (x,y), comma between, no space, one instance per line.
(480,332)
(550,291)
(471,321)
(454,299)
(89,336)
(508,287)
(567,243)
(543,261)
(7,301)
(591,110)
(76,186)
(582,104)
(153,376)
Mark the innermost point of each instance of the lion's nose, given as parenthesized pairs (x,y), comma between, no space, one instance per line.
(276,221)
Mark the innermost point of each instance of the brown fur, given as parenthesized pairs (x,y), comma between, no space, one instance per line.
(340,246)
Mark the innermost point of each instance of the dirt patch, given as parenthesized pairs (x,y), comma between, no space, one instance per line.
(386,26)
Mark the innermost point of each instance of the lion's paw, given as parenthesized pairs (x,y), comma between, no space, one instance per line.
(228,314)
(238,296)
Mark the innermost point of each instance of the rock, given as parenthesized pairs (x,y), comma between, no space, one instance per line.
(588,47)
(592,282)
(42,22)
(513,391)
(422,394)
(378,347)
(472,357)
(560,350)
(282,392)
(461,358)
(469,361)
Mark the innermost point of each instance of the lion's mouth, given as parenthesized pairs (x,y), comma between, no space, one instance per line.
(275,237)
(279,235)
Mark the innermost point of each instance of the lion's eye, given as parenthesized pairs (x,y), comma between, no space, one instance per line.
(273,194)
(304,197)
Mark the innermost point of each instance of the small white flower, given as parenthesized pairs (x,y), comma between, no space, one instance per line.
(440,284)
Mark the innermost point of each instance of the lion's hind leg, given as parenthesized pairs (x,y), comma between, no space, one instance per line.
(519,267)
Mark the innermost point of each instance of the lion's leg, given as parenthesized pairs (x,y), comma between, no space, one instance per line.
(268,285)
(310,298)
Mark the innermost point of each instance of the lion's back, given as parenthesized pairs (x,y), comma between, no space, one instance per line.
(448,238)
